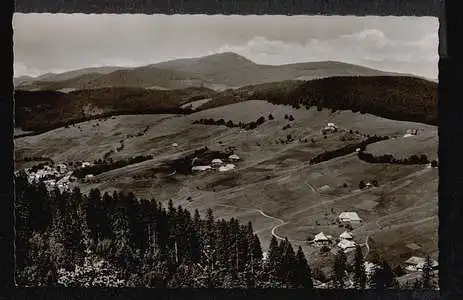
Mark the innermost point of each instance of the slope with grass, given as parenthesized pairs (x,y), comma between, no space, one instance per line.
(274,181)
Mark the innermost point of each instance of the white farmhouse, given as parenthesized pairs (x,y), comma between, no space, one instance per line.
(321,239)
(345,236)
(413,263)
(349,217)
(234,157)
(227,167)
(86,164)
(216,162)
(346,245)
(89,177)
(201,168)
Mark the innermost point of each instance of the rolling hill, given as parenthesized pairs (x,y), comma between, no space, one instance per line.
(217,71)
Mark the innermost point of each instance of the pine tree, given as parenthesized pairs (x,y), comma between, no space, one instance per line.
(304,274)
(426,277)
(359,269)
(388,274)
(288,264)
(272,264)
(382,277)
(339,269)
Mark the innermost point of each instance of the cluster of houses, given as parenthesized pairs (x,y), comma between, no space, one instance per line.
(53,176)
(345,240)
(218,164)
(416,264)
(330,128)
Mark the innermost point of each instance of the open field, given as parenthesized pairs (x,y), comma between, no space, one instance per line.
(274,184)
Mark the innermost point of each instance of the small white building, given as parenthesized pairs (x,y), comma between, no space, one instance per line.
(349,217)
(434,265)
(174,145)
(89,177)
(346,245)
(330,127)
(325,188)
(227,167)
(321,239)
(86,164)
(234,157)
(413,262)
(345,236)
(201,168)
(216,162)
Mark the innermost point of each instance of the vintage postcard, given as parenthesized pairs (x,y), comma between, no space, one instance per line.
(192,151)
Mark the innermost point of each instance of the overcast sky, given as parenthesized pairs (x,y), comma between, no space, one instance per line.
(61,42)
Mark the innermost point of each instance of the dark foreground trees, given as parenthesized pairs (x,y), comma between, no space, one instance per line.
(117,240)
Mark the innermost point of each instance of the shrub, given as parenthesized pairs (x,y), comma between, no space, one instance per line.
(362,184)
(270,117)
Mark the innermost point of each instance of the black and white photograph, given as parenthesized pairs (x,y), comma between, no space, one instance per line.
(213,151)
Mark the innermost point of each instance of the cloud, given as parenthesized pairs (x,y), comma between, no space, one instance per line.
(369,47)
(64,42)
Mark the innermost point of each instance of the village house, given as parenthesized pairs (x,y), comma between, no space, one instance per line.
(234,157)
(346,245)
(321,239)
(345,236)
(415,263)
(217,162)
(330,127)
(227,167)
(86,164)
(89,177)
(349,217)
(201,168)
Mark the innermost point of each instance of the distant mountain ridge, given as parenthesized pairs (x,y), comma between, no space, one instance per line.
(217,71)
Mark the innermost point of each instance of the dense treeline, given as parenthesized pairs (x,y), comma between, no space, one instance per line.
(393,97)
(390,159)
(41,111)
(346,150)
(101,166)
(247,126)
(117,240)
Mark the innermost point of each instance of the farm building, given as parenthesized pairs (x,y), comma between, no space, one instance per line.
(325,188)
(321,239)
(216,162)
(416,263)
(227,167)
(349,217)
(201,168)
(346,245)
(86,164)
(345,236)
(330,127)
(234,157)
(174,145)
(413,263)
(88,177)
